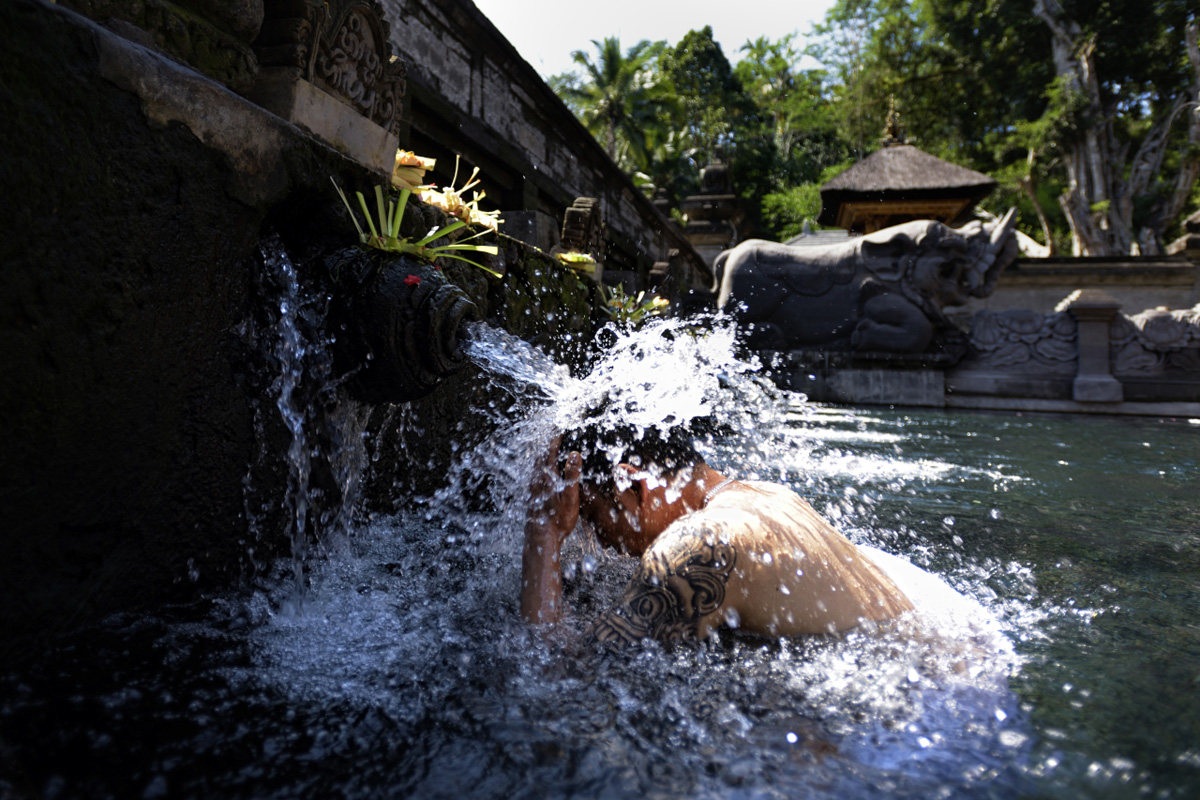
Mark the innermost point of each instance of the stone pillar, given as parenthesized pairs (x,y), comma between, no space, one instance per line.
(1094,311)
(712,215)
(583,232)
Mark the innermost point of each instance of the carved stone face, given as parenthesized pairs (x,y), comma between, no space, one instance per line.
(939,275)
(932,260)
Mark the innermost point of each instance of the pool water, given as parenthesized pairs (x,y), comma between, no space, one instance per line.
(1104,515)
(405,670)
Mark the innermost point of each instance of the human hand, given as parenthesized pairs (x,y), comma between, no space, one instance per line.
(553,497)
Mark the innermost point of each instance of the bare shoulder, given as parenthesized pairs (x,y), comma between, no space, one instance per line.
(758,509)
(679,587)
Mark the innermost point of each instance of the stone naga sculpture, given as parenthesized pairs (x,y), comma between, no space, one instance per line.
(884,292)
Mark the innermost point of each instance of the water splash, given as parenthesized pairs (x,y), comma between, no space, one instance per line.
(408,671)
(326,453)
(665,374)
(289,351)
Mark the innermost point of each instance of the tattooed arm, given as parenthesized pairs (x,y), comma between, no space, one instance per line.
(553,512)
(678,593)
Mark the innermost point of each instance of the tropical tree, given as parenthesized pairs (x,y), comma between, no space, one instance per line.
(719,120)
(1092,102)
(619,98)
(1128,88)
(793,99)
(710,99)
(796,106)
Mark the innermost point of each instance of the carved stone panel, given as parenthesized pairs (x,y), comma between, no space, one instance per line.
(340,46)
(1023,341)
(1157,341)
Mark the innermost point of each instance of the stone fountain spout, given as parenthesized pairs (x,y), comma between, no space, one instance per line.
(398,324)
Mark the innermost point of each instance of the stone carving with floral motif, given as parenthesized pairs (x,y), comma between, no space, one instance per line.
(1024,340)
(341,46)
(1157,341)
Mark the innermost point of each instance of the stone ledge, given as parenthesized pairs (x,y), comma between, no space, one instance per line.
(1126,408)
(322,115)
(917,387)
(913,387)
(1009,385)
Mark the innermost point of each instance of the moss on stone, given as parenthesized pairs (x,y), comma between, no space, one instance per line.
(183,34)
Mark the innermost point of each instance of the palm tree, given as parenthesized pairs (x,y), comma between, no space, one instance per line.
(620,99)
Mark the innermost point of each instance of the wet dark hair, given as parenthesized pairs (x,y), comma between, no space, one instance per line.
(604,445)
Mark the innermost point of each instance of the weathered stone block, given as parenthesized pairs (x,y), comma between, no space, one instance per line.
(322,115)
(1094,311)
(533,228)
(889,387)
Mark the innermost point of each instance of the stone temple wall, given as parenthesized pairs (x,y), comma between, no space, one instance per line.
(470,92)
(1139,282)
(144,458)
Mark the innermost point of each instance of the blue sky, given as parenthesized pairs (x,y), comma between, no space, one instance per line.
(546,33)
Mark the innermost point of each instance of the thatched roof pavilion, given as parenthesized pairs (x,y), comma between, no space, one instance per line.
(898,183)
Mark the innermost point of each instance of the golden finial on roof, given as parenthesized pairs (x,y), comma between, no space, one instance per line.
(893,132)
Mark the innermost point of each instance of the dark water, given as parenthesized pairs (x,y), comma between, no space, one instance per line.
(1068,668)
(1105,515)
(406,671)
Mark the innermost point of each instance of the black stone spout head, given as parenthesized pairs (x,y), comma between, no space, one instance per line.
(399,324)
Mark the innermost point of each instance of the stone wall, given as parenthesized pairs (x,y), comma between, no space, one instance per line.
(136,404)
(1040,284)
(1085,356)
(471,93)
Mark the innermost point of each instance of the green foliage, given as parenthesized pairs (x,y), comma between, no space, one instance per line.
(957,71)
(665,112)
(386,235)
(632,310)
(711,101)
(785,212)
(974,81)
(804,127)
(618,99)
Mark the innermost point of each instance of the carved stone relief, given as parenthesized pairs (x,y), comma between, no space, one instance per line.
(1023,340)
(881,293)
(1157,341)
(340,46)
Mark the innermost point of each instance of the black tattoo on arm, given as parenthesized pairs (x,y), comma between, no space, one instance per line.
(668,596)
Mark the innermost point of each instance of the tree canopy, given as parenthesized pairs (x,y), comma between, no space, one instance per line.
(1086,112)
